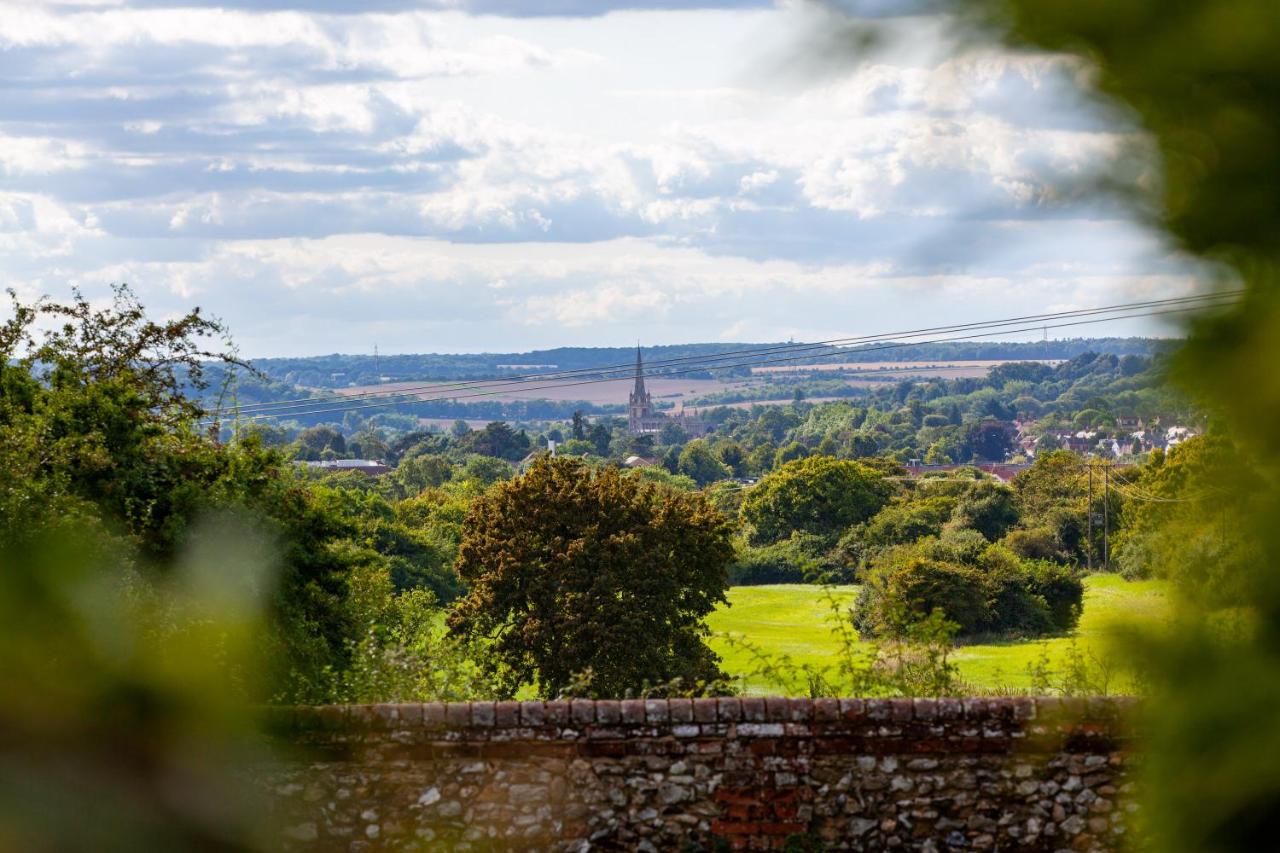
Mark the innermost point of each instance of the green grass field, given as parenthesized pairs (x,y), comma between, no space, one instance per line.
(796,620)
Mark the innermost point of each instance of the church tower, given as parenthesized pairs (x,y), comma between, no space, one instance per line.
(638,408)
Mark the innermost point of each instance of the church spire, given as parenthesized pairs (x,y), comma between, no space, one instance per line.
(638,408)
(639,389)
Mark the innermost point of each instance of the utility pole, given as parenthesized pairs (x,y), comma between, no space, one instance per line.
(1106,516)
(1088,511)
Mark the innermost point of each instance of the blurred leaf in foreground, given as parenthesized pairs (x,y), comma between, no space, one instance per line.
(1202,77)
(125,723)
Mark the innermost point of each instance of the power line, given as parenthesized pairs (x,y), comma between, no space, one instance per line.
(412,394)
(393,399)
(1130,491)
(755,351)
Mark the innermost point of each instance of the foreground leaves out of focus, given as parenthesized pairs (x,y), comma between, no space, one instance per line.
(1202,77)
(156,584)
(125,722)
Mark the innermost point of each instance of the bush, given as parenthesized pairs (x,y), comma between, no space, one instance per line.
(979,587)
(850,553)
(777,563)
(1038,543)
(804,558)
(989,508)
(901,523)
(901,595)
(1015,608)
(958,546)
(1061,589)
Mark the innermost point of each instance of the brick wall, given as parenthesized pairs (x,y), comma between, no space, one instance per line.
(705,774)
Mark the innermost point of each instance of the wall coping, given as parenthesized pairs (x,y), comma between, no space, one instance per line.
(1103,712)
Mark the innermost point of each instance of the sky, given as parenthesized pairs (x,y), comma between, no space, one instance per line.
(505,175)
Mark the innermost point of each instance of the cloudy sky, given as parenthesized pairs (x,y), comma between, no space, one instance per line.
(465,175)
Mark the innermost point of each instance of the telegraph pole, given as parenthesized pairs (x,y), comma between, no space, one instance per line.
(1088,511)
(1106,516)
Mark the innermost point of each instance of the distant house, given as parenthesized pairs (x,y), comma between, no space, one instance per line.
(1129,423)
(1175,435)
(639,462)
(363,466)
(1078,442)
(1026,441)
(643,419)
(1149,439)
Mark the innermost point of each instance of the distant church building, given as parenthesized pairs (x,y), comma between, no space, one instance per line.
(642,419)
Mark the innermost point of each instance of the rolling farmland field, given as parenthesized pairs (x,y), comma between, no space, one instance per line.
(674,390)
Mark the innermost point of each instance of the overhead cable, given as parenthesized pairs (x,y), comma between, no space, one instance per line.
(338,406)
(709,362)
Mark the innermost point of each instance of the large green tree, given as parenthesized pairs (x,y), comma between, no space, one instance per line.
(699,463)
(497,440)
(989,440)
(591,578)
(818,495)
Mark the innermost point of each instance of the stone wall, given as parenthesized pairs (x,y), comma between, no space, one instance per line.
(706,774)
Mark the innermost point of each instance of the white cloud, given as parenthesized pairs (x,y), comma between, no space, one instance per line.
(27,155)
(39,228)
(425,294)
(512,177)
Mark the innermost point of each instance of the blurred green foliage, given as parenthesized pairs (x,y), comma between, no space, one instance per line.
(155,585)
(125,722)
(1202,77)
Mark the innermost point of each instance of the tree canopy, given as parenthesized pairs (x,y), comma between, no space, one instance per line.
(817,494)
(592,579)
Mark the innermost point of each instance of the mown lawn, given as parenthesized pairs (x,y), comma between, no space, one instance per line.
(796,620)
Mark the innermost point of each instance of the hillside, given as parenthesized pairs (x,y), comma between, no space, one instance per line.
(343,370)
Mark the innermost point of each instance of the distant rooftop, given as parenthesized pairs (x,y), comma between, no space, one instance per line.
(367,466)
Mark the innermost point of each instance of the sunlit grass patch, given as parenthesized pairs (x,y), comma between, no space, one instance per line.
(795,620)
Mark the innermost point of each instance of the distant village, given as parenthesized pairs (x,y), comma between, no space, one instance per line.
(1132,436)
(1123,438)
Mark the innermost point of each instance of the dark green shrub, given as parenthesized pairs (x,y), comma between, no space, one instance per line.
(989,508)
(902,593)
(901,523)
(1060,587)
(957,546)
(850,553)
(1037,543)
(981,588)
(1070,529)
(1015,609)
(782,562)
